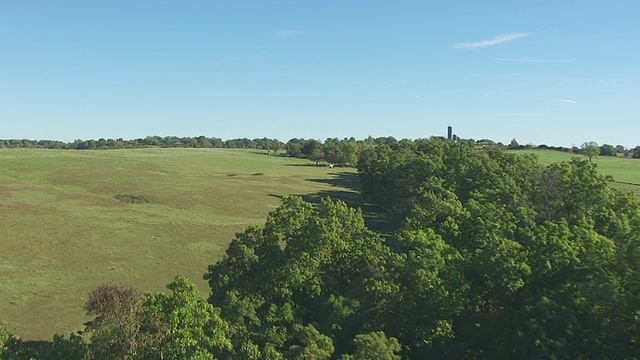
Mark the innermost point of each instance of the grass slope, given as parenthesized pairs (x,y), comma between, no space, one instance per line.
(67,223)
(625,171)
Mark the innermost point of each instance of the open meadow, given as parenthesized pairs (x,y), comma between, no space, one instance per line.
(71,220)
(625,171)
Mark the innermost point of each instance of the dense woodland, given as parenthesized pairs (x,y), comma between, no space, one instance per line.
(495,256)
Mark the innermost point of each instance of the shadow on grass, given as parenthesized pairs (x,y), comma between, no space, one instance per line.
(347,180)
(35,347)
(307,165)
(348,189)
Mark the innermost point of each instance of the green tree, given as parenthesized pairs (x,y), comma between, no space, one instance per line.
(277,145)
(294,147)
(130,325)
(72,348)
(310,344)
(265,144)
(332,152)
(375,345)
(607,150)
(316,155)
(349,150)
(279,284)
(590,149)
(312,150)
(203,142)
(192,327)
(11,348)
(115,330)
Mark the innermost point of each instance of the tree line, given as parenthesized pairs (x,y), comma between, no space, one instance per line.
(589,148)
(332,150)
(494,256)
(149,141)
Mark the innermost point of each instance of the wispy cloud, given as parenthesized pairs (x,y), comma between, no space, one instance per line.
(530,60)
(496,40)
(563,101)
(555,102)
(287,33)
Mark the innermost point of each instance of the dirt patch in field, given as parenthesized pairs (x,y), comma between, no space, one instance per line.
(25,207)
(132,198)
(5,192)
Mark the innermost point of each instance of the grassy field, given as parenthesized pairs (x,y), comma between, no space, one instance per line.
(66,223)
(625,171)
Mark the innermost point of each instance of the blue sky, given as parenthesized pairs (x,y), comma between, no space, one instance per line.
(552,72)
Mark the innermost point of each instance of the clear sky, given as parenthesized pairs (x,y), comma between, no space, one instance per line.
(552,72)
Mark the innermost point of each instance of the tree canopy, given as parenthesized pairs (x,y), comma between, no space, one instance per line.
(591,149)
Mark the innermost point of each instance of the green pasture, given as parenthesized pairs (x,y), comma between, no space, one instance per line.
(625,171)
(66,223)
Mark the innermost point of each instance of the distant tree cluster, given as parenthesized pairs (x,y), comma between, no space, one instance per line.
(149,141)
(590,149)
(495,256)
(343,152)
(334,151)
